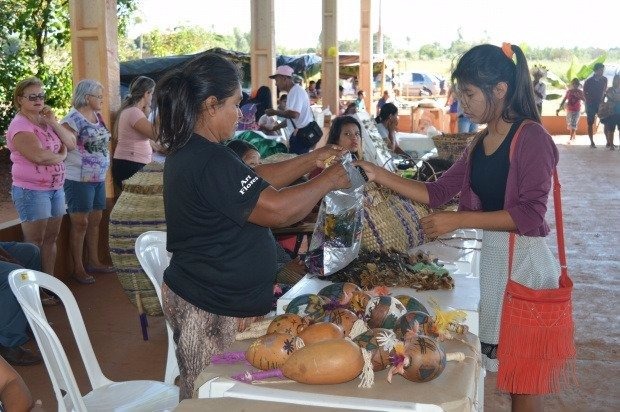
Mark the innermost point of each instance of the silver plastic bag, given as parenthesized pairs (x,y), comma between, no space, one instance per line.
(337,235)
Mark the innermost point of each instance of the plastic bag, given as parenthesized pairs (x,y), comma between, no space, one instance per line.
(337,234)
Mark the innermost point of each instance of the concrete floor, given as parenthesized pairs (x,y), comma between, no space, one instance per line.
(591,204)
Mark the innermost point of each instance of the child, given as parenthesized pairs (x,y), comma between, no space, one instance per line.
(573,97)
(499,193)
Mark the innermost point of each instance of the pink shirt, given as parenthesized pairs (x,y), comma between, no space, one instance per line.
(26,174)
(132,145)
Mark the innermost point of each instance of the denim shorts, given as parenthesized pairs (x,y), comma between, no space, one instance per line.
(572,119)
(34,205)
(84,197)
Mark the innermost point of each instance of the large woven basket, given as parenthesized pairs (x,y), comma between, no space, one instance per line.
(451,146)
(391,221)
(139,208)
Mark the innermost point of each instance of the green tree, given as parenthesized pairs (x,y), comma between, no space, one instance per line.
(35,41)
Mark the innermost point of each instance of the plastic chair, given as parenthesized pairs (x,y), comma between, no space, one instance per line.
(154,259)
(106,395)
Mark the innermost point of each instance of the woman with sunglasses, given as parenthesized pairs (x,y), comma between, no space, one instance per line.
(87,166)
(38,145)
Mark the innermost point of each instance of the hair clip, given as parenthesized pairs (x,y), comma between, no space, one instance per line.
(507,49)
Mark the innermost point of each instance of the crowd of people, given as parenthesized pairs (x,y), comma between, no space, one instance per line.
(221,201)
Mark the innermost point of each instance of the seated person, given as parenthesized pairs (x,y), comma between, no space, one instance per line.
(14,394)
(387,121)
(346,132)
(13,323)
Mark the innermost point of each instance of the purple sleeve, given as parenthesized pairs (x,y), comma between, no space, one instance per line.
(449,184)
(528,188)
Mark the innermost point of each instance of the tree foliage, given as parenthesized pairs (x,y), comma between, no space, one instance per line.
(35,41)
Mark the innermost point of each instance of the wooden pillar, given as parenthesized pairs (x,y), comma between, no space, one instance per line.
(262,49)
(329,66)
(365,73)
(94,50)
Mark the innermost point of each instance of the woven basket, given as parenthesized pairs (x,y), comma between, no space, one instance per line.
(451,146)
(139,208)
(391,221)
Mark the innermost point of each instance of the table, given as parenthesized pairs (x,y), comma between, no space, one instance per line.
(239,404)
(415,145)
(458,388)
(460,255)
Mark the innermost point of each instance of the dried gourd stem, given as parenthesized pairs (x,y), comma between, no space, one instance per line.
(367,376)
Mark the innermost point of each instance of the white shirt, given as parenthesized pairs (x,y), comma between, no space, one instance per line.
(541,88)
(298,101)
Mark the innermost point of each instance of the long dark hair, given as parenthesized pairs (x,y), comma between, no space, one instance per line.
(137,88)
(486,65)
(336,128)
(263,101)
(386,111)
(181,92)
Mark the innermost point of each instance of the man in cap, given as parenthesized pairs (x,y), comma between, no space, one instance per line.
(297,110)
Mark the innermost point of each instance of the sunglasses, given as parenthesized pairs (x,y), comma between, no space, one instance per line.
(35,97)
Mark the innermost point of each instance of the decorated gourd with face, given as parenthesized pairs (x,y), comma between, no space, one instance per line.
(308,304)
(425,359)
(383,312)
(411,303)
(405,325)
(289,323)
(359,301)
(379,342)
(270,351)
(343,318)
(339,293)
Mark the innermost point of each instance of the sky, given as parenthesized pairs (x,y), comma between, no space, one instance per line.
(408,23)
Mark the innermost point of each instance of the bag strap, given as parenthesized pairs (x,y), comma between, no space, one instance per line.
(559,221)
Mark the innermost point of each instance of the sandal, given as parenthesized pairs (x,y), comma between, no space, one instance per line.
(100,269)
(84,280)
(49,300)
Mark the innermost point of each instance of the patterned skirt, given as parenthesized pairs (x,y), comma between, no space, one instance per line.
(534,265)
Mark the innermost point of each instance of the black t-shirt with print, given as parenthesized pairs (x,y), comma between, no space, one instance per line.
(220,262)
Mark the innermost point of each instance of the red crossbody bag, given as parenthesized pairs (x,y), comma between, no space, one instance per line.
(536,338)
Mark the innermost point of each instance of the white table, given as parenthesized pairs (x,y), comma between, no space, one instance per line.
(415,144)
(461,257)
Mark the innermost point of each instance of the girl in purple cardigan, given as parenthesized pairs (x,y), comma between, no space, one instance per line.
(499,192)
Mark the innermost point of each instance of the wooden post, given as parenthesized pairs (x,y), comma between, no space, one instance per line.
(365,79)
(263,49)
(329,68)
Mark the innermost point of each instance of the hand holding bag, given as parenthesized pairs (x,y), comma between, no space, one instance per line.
(536,337)
(310,134)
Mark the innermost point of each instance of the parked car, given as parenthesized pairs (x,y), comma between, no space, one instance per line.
(421,83)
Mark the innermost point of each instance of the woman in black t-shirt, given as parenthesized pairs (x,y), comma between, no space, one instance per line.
(218,212)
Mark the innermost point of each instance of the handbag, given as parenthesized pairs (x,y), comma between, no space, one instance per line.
(536,338)
(606,109)
(310,134)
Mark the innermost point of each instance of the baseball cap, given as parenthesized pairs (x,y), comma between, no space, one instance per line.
(286,71)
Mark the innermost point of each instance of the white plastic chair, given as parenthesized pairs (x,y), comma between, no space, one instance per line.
(154,259)
(106,395)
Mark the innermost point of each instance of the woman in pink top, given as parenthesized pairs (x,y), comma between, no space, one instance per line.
(133,131)
(38,145)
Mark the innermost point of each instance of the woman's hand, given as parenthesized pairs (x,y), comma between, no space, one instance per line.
(48,116)
(244,323)
(271,112)
(440,223)
(326,154)
(369,168)
(391,123)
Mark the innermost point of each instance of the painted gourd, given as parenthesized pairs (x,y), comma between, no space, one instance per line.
(343,318)
(407,321)
(321,331)
(383,312)
(426,359)
(308,304)
(270,351)
(359,301)
(379,342)
(324,363)
(412,303)
(339,293)
(290,323)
